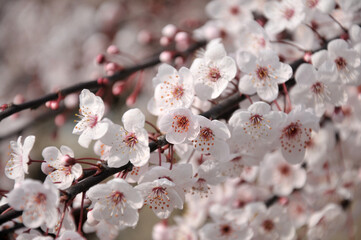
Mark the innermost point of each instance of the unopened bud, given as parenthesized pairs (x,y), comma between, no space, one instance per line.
(118,88)
(112,49)
(307,57)
(169,31)
(54,105)
(100,59)
(60,120)
(166,57)
(164,41)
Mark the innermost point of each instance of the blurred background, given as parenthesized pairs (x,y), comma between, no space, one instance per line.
(47,45)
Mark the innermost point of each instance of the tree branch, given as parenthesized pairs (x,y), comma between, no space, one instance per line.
(93,84)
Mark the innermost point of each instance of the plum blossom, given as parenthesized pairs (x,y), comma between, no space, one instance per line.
(17,166)
(213,72)
(116,202)
(287,14)
(161,196)
(38,202)
(324,223)
(91,112)
(344,61)
(325,6)
(179,125)
(63,163)
(317,88)
(262,74)
(232,12)
(252,38)
(296,133)
(212,138)
(283,177)
(173,89)
(129,143)
(271,223)
(257,126)
(226,224)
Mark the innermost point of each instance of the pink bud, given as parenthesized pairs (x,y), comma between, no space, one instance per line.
(131,99)
(54,105)
(60,120)
(112,49)
(144,37)
(164,41)
(307,57)
(100,59)
(111,67)
(18,99)
(166,57)
(169,30)
(179,61)
(47,104)
(181,37)
(71,101)
(118,88)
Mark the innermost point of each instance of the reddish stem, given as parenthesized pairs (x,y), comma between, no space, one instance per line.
(81,212)
(277,105)
(62,219)
(92,164)
(153,126)
(287,97)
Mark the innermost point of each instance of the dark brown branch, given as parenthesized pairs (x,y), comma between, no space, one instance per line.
(120,75)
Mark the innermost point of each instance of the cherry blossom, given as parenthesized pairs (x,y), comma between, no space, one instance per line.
(324,223)
(256,126)
(324,6)
(286,14)
(281,176)
(212,138)
(271,223)
(161,196)
(173,89)
(233,12)
(17,166)
(262,74)
(179,125)
(296,133)
(65,168)
(129,143)
(213,72)
(91,112)
(343,59)
(38,202)
(316,88)
(116,202)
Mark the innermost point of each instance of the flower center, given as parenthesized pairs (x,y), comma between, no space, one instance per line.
(340,63)
(284,170)
(158,198)
(130,140)
(268,225)
(40,199)
(317,88)
(178,92)
(256,119)
(234,10)
(206,134)
(312,3)
(226,230)
(292,130)
(117,197)
(262,73)
(288,13)
(180,123)
(214,74)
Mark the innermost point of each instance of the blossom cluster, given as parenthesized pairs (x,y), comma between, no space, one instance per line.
(283,164)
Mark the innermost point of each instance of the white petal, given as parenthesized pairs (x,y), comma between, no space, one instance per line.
(133,119)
